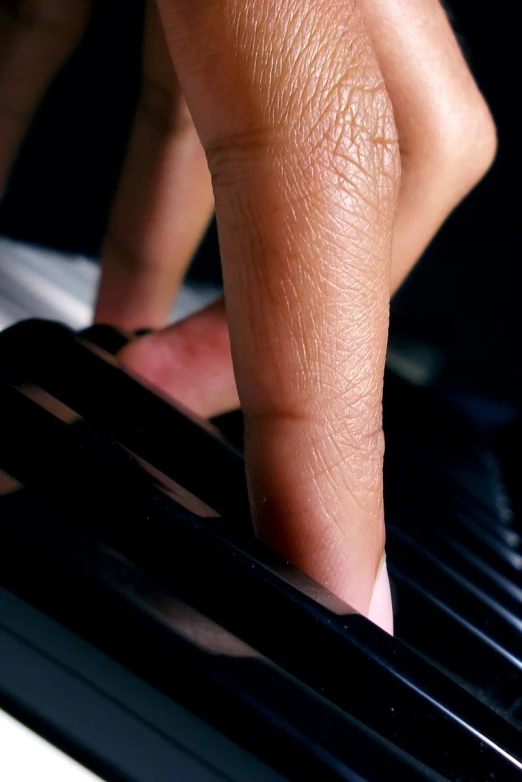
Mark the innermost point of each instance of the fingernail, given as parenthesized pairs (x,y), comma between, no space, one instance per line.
(381,611)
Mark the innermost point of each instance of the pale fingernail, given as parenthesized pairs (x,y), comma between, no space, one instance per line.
(381,611)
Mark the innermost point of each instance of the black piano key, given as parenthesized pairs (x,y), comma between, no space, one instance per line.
(415,517)
(253,594)
(504,498)
(446,456)
(230,425)
(474,492)
(474,570)
(438,487)
(107,338)
(475,606)
(439,497)
(469,656)
(110,602)
(506,448)
(177,443)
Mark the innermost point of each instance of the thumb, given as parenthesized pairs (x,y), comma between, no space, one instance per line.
(190,361)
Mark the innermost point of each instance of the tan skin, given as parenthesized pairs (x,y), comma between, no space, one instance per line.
(333,137)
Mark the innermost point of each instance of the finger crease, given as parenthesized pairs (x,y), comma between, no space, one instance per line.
(162,109)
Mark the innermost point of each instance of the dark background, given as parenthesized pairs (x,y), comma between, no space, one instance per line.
(464,294)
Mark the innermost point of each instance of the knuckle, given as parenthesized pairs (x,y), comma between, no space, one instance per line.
(355,136)
(347,115)
(163,107)
(347,410)
(462,143)
(482,141)
(315,95)
(121,252)
(231,153)
(346,466)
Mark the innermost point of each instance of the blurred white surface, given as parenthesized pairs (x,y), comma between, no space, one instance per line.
(26,757)
(36,282)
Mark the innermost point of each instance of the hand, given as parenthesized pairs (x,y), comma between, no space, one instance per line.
(305,110)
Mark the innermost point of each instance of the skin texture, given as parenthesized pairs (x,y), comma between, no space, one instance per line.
(314,130)
(164,201)
(296,118)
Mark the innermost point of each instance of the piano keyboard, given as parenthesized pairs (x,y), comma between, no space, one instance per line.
(455,548)
(126,520)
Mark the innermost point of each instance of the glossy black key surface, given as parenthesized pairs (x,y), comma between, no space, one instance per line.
(109,601)
(444,477)
(107,338)
(172,440)
(453,547)
(125,477)
(470,657)
(467,564)
(506,447)
(241,586)
(475,607)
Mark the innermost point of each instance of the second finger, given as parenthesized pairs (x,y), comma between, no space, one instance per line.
(164,201)
(446,133)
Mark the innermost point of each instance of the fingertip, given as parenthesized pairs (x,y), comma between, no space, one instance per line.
(381,610)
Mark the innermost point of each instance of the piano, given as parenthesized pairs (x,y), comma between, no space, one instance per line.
(146,634)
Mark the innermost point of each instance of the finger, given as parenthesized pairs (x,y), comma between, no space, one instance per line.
(290,105)
(36,37)
(164,200)
(447,141)
(446,133)
(190,362)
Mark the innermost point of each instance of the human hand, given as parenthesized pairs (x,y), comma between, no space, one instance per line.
(296,105)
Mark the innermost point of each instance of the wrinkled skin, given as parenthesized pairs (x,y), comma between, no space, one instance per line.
(333,137)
